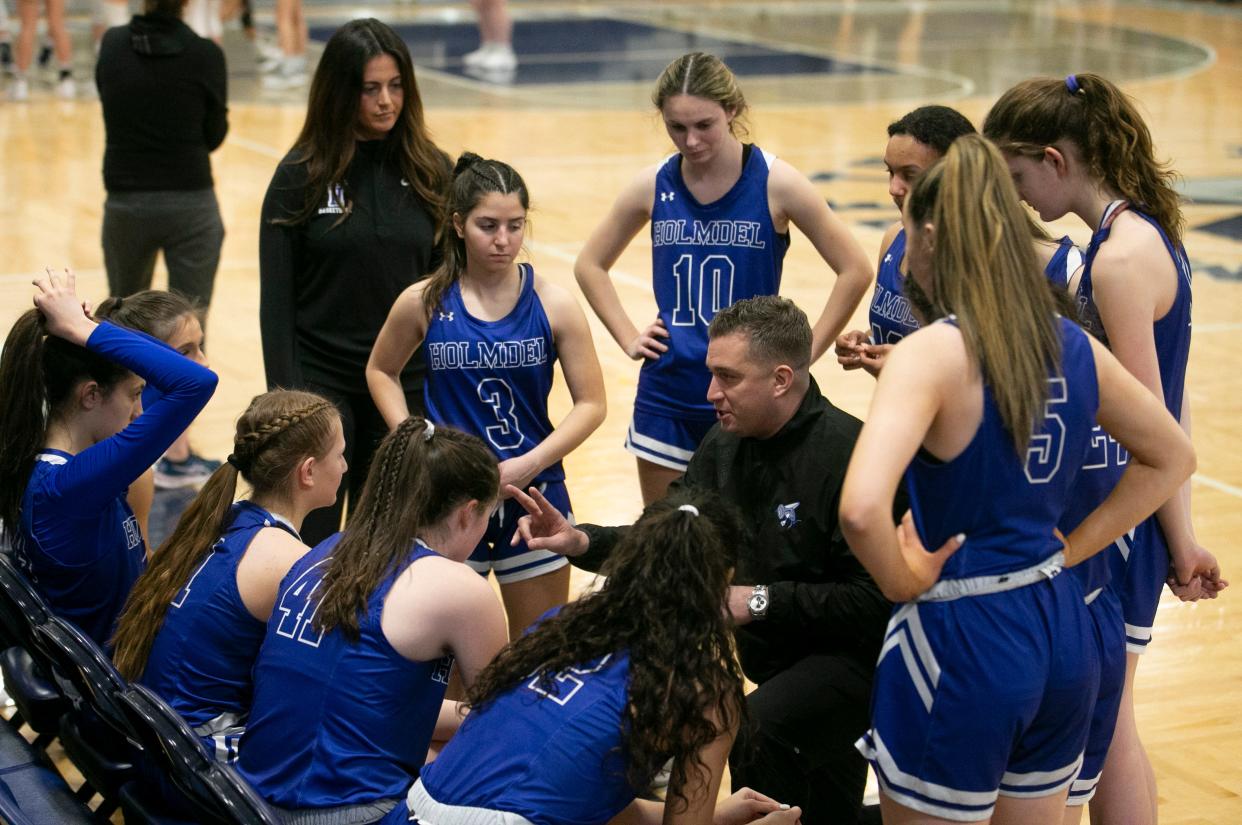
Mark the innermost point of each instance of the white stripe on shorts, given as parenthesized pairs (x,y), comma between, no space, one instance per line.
(1046,783)
(899,780)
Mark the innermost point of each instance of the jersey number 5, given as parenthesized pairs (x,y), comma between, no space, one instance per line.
(700,298)
(1043,454)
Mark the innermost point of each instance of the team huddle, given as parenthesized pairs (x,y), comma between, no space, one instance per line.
(954,592)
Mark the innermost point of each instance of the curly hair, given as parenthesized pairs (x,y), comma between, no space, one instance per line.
(663,603)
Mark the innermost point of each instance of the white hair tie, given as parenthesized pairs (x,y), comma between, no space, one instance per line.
(689,508)
(429,430)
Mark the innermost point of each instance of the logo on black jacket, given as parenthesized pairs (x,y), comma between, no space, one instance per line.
(787,514)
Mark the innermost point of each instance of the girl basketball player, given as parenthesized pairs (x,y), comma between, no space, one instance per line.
(357,201)
(1079,145)
(915,142)
(193,623)
(720,212)
(172,319)
(73,437)
(1001,646)
(574,719)
(490,331)
(350,679)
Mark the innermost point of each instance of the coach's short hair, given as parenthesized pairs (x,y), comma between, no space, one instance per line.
(779,332)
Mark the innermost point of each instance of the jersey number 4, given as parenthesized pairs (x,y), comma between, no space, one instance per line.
(701,291)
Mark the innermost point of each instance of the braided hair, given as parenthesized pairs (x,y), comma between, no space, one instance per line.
(419,474)
(276,433)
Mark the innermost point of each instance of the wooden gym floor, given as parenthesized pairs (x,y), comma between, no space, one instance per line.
(823,80)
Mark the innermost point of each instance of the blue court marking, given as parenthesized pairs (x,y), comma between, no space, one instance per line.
(1230,228)
(603,50)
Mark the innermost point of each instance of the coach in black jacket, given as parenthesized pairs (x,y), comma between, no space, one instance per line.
(810,620)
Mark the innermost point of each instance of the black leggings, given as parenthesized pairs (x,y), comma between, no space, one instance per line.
(799,748)
(364,429)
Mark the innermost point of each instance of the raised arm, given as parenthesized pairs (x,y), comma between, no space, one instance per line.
(794,198)
(1161,457)
(628,215)
(403,331)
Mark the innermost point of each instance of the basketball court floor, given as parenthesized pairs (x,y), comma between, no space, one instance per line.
(823,80)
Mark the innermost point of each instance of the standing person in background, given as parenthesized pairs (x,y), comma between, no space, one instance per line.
(720,212)
(289,71)
(107,14)
(1080,145)
(164,93)
(491,331)
(349,221)
(495,54)
(28,12)
(73,437)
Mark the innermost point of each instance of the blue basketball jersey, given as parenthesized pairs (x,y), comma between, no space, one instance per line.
(1006,504)
(1063,263)
(891,316)
(492,378)
(336,722)
(201,659)
(549,752)
(704,257)
(78,540)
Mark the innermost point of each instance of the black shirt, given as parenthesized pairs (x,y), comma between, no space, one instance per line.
(326,285)
(164,94)
(788,489)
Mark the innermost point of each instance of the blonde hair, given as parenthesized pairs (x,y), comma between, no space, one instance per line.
(984,271)
(699,74)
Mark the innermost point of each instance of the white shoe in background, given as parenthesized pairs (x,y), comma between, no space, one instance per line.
(66,89)
(491,57)
(19,90)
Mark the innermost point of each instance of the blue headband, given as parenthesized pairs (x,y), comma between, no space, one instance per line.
(1071,83)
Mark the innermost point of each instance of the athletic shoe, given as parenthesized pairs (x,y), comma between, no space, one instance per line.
(66,89)
(6,57)
(290,74)
(45,55)
(19,90)
(491,57)
(194,471)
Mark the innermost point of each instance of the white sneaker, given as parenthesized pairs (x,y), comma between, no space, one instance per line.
(491,57)
(19,90)
(290,74)
(66,89)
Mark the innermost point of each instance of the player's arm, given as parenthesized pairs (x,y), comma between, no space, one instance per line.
(794,197)
(580,366)
(629,214)
(140,497)
(1124,279)
(404,329)
(1161,457)
(921,371)
(850,345)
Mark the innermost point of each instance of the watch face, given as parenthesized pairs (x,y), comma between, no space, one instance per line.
(758,603)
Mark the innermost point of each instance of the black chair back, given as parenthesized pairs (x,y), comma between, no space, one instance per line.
(21,607)
(216,792)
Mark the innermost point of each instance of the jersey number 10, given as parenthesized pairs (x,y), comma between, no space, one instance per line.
(703,292)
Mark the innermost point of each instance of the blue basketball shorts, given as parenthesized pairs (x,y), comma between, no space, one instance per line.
(515,564)
(667,440)
(1110,642)
(981,696)
(1140,566)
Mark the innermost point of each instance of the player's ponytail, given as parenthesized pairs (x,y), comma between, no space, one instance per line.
(663,602)
(156,312)
(419,473)
(1105,127)
(276,433)
(473,179)
(984,271)
(38,374)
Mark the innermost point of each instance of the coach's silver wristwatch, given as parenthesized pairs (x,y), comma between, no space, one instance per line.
(757,604)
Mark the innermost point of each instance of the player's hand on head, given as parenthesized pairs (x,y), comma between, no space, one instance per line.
(924,567)
(544,528)
(742,807)
(63,311)
(648,343)
(848,348)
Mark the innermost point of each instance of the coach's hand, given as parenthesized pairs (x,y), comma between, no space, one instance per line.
(743,807)
(545,528)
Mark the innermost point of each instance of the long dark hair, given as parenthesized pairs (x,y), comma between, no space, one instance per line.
(327,141)
(418,475)
(38,374)
(274,435)
(1106,128)
(473,179)
(156,312)
(985,271)
(663,603)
